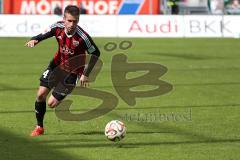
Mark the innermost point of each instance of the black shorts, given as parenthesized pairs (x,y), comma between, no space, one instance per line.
(60,81)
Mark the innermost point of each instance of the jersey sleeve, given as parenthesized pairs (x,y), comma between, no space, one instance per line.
(49,32)
(90,46)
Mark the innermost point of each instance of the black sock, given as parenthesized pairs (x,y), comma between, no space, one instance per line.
(40,109)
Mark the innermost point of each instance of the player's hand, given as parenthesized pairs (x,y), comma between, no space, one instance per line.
(84,81)
(31,43)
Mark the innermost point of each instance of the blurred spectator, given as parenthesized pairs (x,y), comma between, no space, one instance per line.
(194,7)
(58,10)
(173,5)
(175,8)
(217,6)
(233,7)
(82,9)
(1,7)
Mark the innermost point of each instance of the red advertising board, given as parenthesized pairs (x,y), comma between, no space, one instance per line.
(91,6)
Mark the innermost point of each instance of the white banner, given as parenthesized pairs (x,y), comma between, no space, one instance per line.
(25,26)
(100,25)
(150,26)
(203,26)
(231,26)
(127,26)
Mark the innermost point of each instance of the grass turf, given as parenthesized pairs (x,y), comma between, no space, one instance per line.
(201,112)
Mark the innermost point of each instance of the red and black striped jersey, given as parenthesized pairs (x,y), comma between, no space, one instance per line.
(71,53)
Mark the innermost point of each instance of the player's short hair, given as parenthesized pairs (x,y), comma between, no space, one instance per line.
(73,10)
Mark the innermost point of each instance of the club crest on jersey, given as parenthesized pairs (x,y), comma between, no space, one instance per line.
(75,43)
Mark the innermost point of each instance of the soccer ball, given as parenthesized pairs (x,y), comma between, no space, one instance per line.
(115,130)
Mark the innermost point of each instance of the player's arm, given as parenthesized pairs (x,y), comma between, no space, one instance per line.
(38,38)
(95,53)
(93,60)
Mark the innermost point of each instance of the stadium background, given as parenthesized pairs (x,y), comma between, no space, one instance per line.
(197,41)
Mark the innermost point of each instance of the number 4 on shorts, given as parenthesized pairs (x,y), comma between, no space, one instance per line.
(45,74)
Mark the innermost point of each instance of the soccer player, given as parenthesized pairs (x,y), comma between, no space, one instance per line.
(67,65)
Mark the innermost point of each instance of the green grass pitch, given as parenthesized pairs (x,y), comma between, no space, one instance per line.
(205,98)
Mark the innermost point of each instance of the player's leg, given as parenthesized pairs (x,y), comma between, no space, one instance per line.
(58,95)
(54,102)
(64,88)
(40,103)
(40,110)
